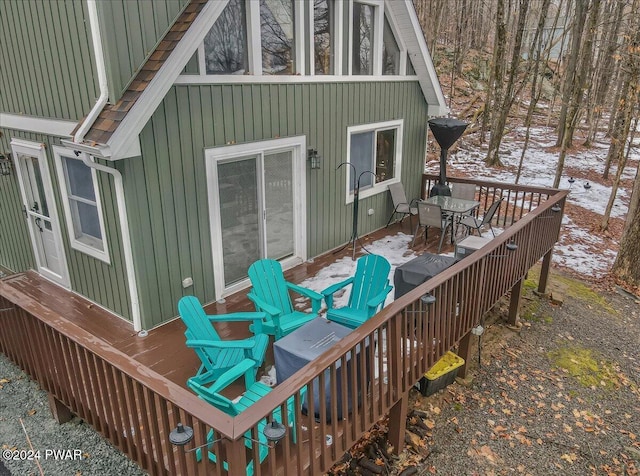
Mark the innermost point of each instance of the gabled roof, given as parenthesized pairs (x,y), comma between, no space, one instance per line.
(118,125)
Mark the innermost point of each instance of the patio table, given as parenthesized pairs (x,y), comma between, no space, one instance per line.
(454,206)
(302,346)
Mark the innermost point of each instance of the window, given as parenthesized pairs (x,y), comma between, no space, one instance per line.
(277,35)
(225,46)
(375,150)
(390,51)
(362,35)
(81,204)
(323,24)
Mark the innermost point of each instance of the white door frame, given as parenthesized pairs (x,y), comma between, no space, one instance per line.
(37,150)
(215,155)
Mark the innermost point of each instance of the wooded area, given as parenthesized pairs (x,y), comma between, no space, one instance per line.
(570,64)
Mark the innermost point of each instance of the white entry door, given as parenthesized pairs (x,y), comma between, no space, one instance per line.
(40,210)
(257,204)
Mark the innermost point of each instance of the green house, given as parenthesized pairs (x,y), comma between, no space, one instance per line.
(153,149)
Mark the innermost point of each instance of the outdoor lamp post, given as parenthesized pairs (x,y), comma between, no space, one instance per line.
(446,131)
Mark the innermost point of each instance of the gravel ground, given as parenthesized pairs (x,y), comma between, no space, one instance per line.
(89,454)
(527,412)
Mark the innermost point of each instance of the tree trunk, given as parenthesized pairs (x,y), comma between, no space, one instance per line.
(627,264)
(534,56)
(572,68)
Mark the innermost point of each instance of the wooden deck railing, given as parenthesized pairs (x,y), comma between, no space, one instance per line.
(136,408)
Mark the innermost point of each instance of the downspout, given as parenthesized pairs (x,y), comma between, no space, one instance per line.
(101,70)
(117,176)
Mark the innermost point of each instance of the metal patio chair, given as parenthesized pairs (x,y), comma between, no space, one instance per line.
(473,223)
(431,216)
(400,204)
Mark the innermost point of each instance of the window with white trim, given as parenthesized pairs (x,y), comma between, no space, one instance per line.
(323,36)
(375,152)
(81,201)
(254,37)
(295,38)
(225,46)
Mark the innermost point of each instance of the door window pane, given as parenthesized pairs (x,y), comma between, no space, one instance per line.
(225,46)
(277,35)
(362,36)
(239,217)
(323,36)
(390,51)
(278,192)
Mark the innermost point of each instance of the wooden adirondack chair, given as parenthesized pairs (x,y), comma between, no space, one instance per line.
(254,392)
(217,355)
(370,286)
(270,294)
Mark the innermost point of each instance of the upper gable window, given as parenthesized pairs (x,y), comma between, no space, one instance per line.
(81,204)
(390,51)
(323,37)
(362,37)
(225,46)
(296,38)
(277,31)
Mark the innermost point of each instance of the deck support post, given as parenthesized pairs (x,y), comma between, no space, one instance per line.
(544,272)
(514,304)
(236,457)
(464,350)
(59,411)
(398,423)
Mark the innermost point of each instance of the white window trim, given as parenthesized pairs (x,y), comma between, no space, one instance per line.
(377,36)
(212,157)
(379,187)
(102,255)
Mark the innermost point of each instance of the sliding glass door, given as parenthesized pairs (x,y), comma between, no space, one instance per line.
(256,202)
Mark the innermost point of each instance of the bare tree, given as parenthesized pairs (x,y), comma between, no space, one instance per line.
(504,101)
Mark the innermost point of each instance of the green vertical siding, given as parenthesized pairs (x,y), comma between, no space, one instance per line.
(167,190)
(46,59)
(103,283)
(130,31)
(15,247)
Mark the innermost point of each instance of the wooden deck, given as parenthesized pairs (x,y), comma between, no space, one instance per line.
(131,389)
(164,350)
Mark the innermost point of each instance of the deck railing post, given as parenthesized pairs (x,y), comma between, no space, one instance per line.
(514,304)
(544,272)
(236,457)
(464,350)
(59,411)
(398,423)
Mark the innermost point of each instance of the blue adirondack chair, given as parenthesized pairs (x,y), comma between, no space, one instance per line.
(270,294)
(217,355)
(370,286)
(254,392)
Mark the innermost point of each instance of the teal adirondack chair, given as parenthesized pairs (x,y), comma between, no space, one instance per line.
(370,286)
(254,392)
(217,355)
(270,294)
